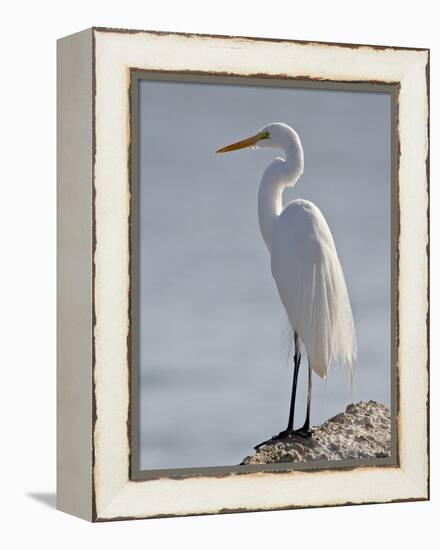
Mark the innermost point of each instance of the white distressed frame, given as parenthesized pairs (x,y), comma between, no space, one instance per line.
(114,495)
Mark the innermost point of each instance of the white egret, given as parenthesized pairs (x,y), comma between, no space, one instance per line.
(304,264)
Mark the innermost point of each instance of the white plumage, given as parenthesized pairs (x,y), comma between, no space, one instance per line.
(304,262)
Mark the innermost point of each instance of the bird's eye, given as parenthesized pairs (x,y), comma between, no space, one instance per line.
(265,135)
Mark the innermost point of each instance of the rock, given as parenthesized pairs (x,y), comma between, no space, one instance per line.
(362,431)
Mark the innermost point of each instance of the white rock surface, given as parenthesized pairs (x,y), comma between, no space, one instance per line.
(362,431)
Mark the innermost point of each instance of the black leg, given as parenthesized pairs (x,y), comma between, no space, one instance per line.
(305,430)
(297,362)
(289,430)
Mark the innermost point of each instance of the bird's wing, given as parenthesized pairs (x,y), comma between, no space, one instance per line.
(311,285)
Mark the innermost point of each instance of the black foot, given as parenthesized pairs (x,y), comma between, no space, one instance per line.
(283,435)
(305,432)
(302,432)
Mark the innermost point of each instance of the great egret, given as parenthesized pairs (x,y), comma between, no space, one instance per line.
(305,266)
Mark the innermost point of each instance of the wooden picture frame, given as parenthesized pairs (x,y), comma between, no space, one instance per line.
(99,477)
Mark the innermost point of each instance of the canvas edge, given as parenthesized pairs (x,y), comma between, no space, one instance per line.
(428,269)
(352,45)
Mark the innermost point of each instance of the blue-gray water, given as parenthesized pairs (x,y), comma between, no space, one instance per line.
(214,376)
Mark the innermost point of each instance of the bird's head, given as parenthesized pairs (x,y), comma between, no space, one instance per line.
(275,135)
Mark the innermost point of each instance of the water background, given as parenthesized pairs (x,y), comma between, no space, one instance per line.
(215,379)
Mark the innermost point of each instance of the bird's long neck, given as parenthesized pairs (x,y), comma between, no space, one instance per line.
(280,174)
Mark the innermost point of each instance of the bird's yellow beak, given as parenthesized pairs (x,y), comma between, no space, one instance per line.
(248,142)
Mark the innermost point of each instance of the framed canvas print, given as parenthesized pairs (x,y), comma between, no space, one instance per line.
(242,274)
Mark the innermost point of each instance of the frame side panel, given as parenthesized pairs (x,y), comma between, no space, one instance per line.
(74,274)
